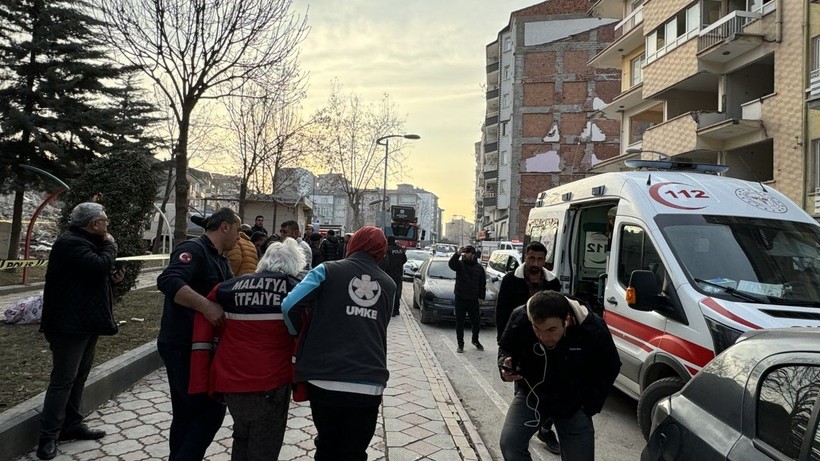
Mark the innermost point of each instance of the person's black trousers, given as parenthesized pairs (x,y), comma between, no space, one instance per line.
(72,357)
(345,423)
(196,418)
(465,307)
(397,301)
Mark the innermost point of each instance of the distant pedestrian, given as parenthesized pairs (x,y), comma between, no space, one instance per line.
(195,267)
(332,248)
(258,225)
(308,232)
(258,239)
(344,354)
(471,287)
(291,229)
(315,249)
(77,309)
(393,265)
(252,367)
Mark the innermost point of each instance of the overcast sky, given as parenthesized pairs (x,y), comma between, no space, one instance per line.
(429,56)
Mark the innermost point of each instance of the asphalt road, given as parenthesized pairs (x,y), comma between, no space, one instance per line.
(474,376)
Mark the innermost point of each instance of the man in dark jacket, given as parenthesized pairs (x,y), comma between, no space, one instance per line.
(563,358)
(331,247)
(516,288)
(195,267)
(471,286)
(77,303)
(393,265)
(344,356)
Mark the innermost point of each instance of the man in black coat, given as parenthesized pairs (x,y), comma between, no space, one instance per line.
(393,265)
(471,286)
(516,288)
(564,362)
(331,247)
(77,309)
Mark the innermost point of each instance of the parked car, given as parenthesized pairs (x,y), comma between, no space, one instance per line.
(758,400)
(433,286)
(443,249)
(503,261)
(414,260)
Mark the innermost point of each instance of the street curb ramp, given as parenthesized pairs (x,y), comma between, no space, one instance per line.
(19,425)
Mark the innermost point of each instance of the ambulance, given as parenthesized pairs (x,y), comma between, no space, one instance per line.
(680,261)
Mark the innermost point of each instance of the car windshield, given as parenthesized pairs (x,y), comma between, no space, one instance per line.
(753,259)
(446,248)
(418,255)
(403,231)
(440,270)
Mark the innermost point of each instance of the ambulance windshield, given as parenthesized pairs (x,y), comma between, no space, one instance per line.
(775,261)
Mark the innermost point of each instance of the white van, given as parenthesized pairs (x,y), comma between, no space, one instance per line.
(708,257)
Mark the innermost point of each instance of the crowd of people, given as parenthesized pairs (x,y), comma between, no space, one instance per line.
(251,321)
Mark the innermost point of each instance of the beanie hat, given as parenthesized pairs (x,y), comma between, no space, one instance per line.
(315,237)
(369,239)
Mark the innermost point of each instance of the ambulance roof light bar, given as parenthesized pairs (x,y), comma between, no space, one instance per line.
(666,163)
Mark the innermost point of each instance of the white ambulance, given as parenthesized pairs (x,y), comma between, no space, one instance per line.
(708,257)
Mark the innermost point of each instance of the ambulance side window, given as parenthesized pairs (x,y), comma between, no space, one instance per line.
(636,252)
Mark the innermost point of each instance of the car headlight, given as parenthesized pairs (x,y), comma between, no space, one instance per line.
(723,336)
(442,301)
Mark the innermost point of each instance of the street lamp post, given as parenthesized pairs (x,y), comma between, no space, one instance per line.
(386,140)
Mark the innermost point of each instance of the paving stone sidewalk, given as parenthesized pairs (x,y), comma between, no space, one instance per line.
(421,416)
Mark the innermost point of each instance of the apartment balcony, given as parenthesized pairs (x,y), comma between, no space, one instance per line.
(729,37)
(493,67)
(490,147)
(491,120)
(491,174)
(490,201)
(607,8)
(813,92)
(629,37)
(623,102)
(493,52)
(492,94)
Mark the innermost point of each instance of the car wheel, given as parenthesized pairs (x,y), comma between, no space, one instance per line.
(650,397)
(426,317)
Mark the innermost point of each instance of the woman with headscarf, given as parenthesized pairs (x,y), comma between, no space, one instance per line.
(252,367)
(343,354)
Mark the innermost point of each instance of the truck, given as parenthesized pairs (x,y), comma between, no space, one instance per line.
(404,226)
(680,261)
(486,247)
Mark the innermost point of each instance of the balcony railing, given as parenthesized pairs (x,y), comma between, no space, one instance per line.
(490,174)
(629,22)
(491,120)
(492,94)
(490,200)
(492,67)
(725,27)
(491,147)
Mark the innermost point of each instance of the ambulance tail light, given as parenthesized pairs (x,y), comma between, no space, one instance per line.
(723,336)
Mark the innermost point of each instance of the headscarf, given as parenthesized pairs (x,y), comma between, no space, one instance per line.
(369,239)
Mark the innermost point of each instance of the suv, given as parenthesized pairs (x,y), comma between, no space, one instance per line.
(758,400)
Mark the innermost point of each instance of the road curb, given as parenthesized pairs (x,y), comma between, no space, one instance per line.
(458,422)
(19,425)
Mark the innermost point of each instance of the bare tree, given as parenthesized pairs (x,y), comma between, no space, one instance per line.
(197,49)
(267,129)
(348,129)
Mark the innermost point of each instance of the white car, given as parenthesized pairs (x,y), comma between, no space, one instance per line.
(414,260)
(443,249)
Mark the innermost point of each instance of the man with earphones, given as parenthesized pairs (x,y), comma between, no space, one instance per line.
(564,360)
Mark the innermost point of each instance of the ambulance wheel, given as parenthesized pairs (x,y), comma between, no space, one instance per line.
(650,397)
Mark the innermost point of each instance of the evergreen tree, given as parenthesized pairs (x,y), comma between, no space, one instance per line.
(56,80)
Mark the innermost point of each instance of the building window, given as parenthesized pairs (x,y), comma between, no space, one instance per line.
(636,70)
(507,43)
(504,128)
(507,73)
(502,186)
(504,158)
(505,101)
(815,56)
(815,166)
(677,30)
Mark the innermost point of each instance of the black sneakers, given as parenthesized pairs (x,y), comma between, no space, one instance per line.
(550,440)
(478,345)
(47,449)
(460,349)
(82,432)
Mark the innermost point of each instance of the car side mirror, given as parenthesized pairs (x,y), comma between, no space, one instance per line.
(417,275)
(642,292)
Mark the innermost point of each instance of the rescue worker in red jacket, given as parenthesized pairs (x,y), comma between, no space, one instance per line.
(252,367)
